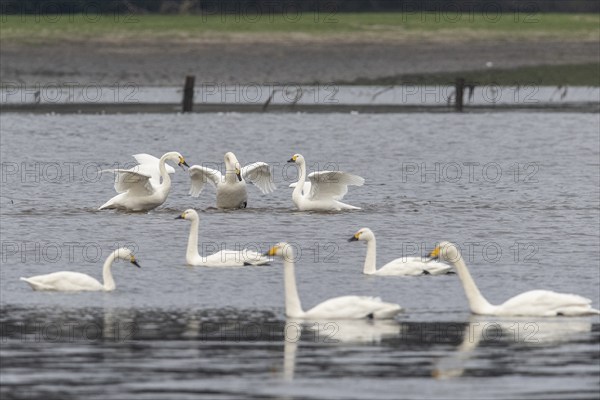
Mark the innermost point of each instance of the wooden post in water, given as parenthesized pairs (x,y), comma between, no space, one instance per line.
(188,93)
(459,92)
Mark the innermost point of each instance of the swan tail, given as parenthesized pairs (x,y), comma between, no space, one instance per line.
(107,205)
(30,282)
(344,206)
(387,311)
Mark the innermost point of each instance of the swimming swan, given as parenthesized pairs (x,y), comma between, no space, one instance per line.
(345,307)
(66,281)
(541,303)
(223,258)
(325,189)
(140,188)
(231,188)
(408,266)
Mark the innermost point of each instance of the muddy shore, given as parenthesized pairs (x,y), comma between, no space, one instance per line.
(157,62)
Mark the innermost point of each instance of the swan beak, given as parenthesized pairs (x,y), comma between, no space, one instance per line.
(271,252)
(179,217)
(238,174)
(354,238)
(134,262)
(182,163)
(291,160)
(434,254)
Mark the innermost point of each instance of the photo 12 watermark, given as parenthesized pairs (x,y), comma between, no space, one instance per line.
(52,252)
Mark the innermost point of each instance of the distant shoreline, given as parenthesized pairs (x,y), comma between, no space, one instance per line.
(380,49)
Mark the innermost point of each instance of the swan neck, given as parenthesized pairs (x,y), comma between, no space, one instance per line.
(301,179)
(192,247)
(108,281)
(164,175)
(293,308)
(371,258)
(230,176)
(477,303)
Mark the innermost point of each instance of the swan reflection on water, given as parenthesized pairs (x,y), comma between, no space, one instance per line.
(333,332)
(512,331)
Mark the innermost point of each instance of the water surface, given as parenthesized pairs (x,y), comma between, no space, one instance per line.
(518,192)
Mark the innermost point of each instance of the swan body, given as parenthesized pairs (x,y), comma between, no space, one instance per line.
(67,281)
(145,186)
(406,266)
(540,303)
(231,187)
(344,307)
(324,189)
(223,258)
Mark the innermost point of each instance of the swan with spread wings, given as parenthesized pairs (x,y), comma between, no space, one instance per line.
(231,187)
(145,186)
(324,189)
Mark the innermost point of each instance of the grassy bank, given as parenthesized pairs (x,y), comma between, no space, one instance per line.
(453,26)
(542,75)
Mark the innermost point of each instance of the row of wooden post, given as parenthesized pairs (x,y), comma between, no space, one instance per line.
(188,94)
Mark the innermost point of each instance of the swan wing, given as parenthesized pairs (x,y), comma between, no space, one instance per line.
(259,173)
(403,267)
(200,175)
(234,258)
(253,258)
(546,303)
(436,268)
(326,185)
(132,181)
(353,307)
(64,281)
(148,165)
(305,189)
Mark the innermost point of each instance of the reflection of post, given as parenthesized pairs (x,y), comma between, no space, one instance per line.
(459,94)
(188,93)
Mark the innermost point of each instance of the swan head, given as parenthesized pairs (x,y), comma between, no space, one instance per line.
(178,158)
(188,214)
(296,158)
(126,254)
(364,234)
(283,250)
(445,251)
(232,163)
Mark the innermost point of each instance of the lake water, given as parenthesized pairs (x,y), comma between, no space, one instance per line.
(518,192)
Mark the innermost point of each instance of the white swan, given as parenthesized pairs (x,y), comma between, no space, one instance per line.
(345,307)
(325,189)
(223,258)
(67,281)
(409,266)
(231,188)
(140,188)
(541,303)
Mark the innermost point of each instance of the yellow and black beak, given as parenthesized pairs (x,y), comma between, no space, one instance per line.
(180,216)
(134,262)
(355,237)
(291,160)
(271,252)
(434,254)
(182,163)
(238,173)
